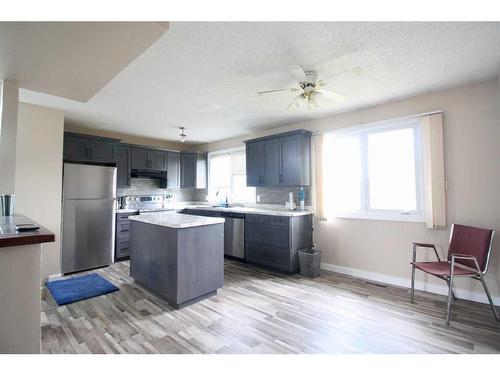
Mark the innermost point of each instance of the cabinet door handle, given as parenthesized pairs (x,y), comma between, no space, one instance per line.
(281,177)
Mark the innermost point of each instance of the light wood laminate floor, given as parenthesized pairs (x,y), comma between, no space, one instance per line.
(260,311)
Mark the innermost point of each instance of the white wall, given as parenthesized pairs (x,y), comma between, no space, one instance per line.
(9,94)
(20,296)
(39,175)
(382,249)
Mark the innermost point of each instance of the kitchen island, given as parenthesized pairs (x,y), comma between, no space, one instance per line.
(176,256)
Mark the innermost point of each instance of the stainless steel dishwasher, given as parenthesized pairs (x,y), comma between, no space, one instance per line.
(234,235)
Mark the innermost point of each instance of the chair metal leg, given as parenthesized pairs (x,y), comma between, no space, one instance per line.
(450,292)
(412,292)
(490,300)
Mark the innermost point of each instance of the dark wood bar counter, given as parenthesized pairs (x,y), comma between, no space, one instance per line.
(9,236)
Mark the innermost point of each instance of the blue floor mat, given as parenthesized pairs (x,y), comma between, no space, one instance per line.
(79,288)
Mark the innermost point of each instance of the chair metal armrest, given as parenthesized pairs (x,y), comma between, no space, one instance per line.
(424,245)
(421,244)
(464,256)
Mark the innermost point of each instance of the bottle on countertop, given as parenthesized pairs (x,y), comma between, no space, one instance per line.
(302,198)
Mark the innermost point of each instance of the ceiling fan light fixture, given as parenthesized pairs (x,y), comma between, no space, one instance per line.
(315,96)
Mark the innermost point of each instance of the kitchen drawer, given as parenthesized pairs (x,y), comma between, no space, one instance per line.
(123,227)
(123,237)
(266,234)
(268,220)
(268,256)
(124,216)
(208,213)
(122,250)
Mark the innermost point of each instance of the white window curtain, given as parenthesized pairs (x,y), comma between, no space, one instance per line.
(434,174)
(317,173)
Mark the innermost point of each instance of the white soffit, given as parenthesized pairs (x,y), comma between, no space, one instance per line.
(72,60)
(205,75)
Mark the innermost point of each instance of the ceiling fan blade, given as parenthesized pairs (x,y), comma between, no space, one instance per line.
(332,94)
(298,72)
(293,89)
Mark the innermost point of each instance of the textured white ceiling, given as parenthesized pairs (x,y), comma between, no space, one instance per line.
(205,76)
(73,60)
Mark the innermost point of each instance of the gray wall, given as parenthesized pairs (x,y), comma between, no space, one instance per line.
(149,186)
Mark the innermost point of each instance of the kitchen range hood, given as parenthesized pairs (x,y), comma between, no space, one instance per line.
(144,173)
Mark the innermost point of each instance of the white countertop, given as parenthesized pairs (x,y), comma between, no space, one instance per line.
(253,210)
(273,210)
(176,220)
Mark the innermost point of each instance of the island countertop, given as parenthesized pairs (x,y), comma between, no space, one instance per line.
(176,220)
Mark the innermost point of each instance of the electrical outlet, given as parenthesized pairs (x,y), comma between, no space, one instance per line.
(258,198)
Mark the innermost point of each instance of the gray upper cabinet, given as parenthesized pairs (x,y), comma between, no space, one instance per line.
(78,147)
(271,176)
(193,170)
(123,166)
(149,159)
(158,160)
(140,158)
(188,166)
(279,160)
(262,160)
(173,170)
(255,163)
(103,150)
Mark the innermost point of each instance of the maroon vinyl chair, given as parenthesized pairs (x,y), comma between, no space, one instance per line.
(468,256)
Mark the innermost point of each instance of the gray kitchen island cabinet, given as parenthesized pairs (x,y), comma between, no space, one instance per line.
(178,257)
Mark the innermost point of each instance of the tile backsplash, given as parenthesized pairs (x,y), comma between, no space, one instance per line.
(150,186)
(268,195)
(279,195)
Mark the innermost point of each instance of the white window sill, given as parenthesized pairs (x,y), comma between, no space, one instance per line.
(383,217)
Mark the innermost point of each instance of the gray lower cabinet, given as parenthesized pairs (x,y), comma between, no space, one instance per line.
(78,147)
(274,241)
(173,170)
(123,166)
(122,237)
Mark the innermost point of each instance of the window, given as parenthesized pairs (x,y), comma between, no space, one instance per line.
(227,177)
(374,171)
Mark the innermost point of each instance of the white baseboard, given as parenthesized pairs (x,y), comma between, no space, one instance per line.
(57,276)
(405,283)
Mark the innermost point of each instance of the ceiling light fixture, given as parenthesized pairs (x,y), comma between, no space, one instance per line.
(182,134)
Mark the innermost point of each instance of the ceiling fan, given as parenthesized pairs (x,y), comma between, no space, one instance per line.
(310,89)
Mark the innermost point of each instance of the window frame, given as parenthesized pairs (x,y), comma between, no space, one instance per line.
(228,151)
(366,212)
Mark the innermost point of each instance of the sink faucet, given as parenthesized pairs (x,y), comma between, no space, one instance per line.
(226,204)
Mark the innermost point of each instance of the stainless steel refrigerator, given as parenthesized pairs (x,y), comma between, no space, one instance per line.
(88,222)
